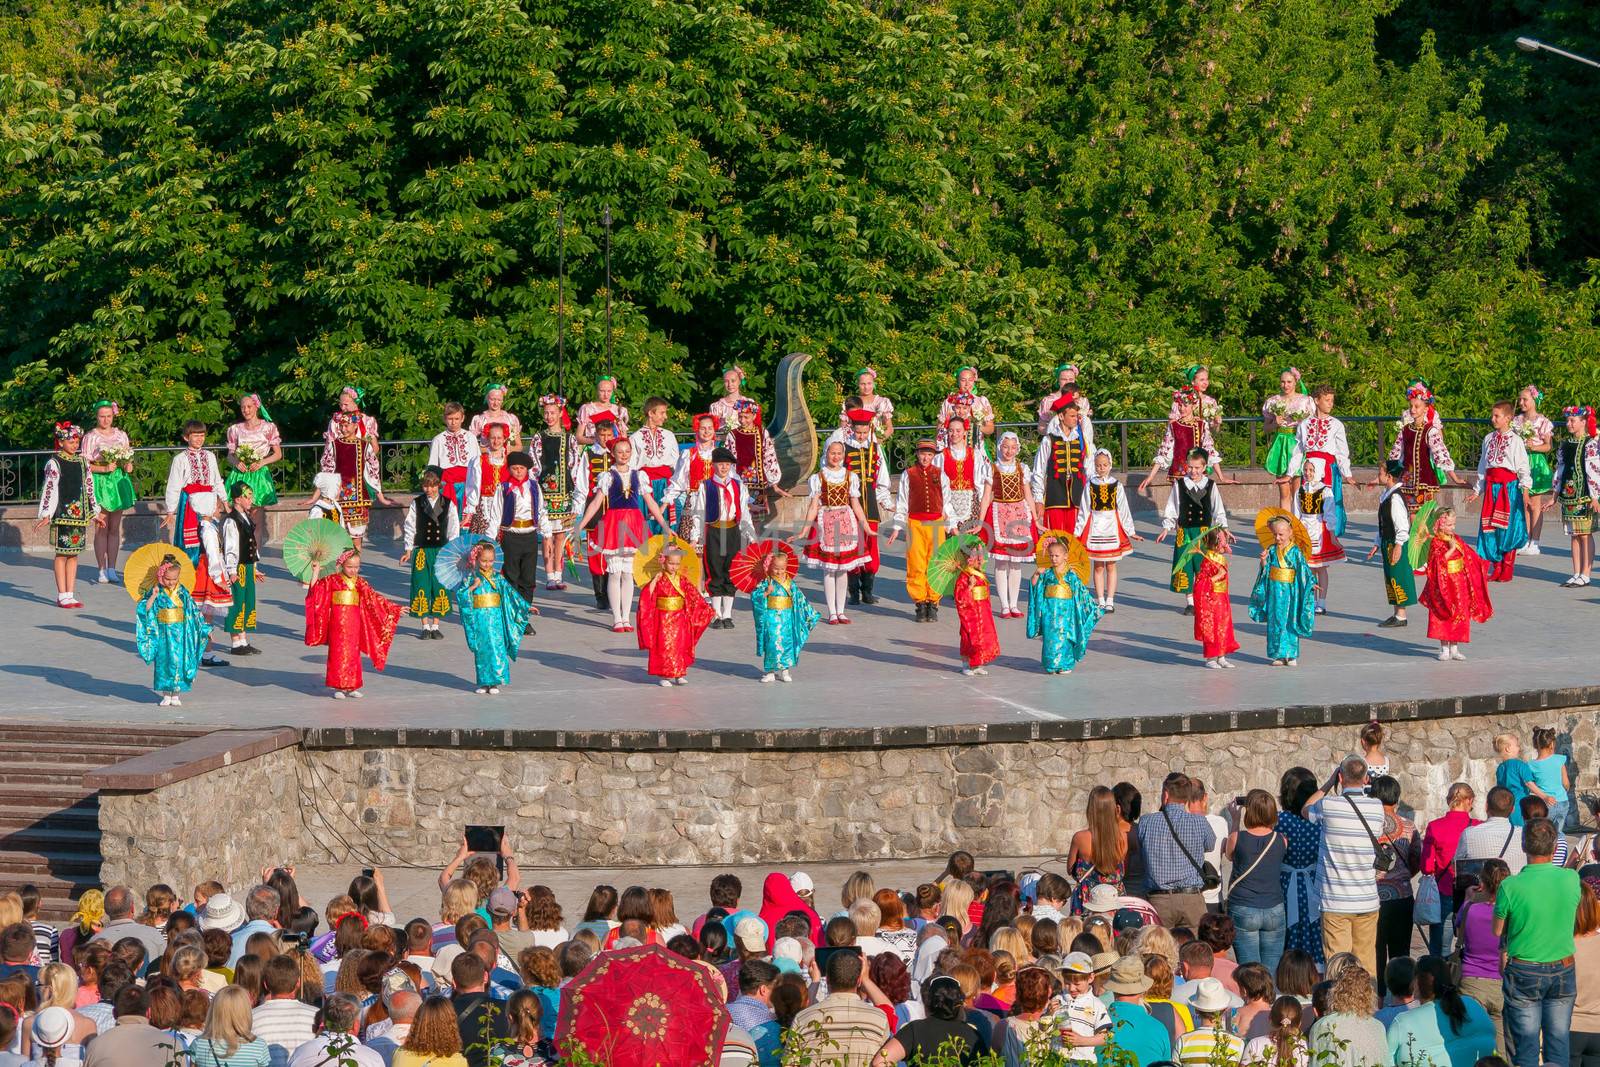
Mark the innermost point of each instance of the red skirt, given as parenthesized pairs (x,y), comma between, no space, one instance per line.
(208,594)
(622,530)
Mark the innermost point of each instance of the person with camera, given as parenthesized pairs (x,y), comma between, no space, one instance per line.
(1347,858)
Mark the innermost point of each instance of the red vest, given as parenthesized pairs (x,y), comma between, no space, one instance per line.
(926,502)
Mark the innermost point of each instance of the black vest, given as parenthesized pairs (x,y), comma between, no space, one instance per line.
(246,531)
(72,474)
(1386,530)
(432,522)
(553,469)
(1194,505)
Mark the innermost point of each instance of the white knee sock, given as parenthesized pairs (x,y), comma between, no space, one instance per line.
(833,589)
(614,594)
(1013,584)
(627,595)
(725,607)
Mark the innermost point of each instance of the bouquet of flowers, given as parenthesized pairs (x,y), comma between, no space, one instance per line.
(247,456)
(1282,410)
(116,455)
(1525,429)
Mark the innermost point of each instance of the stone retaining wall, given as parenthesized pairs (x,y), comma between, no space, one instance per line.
(579,808)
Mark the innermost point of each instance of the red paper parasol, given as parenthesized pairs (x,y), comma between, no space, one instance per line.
(643,1007)
(749,565)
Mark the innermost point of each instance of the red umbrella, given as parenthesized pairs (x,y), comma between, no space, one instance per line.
(749,566)
(643,1007)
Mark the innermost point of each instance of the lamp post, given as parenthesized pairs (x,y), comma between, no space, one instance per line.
(1528,44)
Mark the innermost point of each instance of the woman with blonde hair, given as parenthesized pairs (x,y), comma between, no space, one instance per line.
(1009,939)
(10,908)
(58,988)
(459,897)
(434,1040)
(1098,854)
(956,902)
(229,1038)
(858,886)
(1350,1033)
(1157,940)
(159,900)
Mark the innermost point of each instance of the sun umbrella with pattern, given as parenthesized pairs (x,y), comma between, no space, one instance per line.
(1267,516)
(1421,535)
(947,562)
(643,1007)
(647,561)
(1192,548)
(1077,554)
(749,566)
(312,542)
(139,574)
(453,565)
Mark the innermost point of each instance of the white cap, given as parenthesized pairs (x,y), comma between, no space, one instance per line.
(752,934)
(800,882)
(786,948)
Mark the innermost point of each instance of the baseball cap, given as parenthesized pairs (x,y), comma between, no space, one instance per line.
(751,933)
(786,955)
(503,901)
(1127,919)
(1077,963)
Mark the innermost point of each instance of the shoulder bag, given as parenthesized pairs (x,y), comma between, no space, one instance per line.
(1272,839)
(1208,873)
(1384,856)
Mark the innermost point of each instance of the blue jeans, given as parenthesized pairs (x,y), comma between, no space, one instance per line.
(1259,933)
(1558,811)
(1440,934)
(1539,999)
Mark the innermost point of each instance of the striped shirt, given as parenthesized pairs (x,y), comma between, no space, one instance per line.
(1200,1048)
(284,1025)
(46,942)
(1345,874)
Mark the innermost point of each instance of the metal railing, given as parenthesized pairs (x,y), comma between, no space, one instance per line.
(1243,442)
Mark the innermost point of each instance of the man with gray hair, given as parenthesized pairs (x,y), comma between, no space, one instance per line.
(337,1045)
(120,905)
(1350,821)
(261,913)
(385,1038)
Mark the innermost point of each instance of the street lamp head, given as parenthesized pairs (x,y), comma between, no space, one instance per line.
(1528,44)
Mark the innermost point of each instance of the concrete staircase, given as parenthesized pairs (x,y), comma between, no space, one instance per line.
(49,819)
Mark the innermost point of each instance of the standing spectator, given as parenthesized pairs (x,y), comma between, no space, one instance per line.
(338,1043)
(1200,804)
(1350,821)
(1439,846)
(842,1028)
(282,1019)
(1480,946)
(47,940)
(1173,841)
(1494,838)
(1130,805)
(1098,854)
(261,909)
(1586,960)
(133,1042)
(924,1038)
(1349,1035)
(1444,1027)
(1302,898)
(120,923)
(1535,914)
(1395,903)
(1210,1041)
(1551,776)
(1255,894)
(1134,1031)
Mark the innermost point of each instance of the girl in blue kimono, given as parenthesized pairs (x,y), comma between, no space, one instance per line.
(1062,611)
(495,617)
(784,619)
(1284,596)
(171,634)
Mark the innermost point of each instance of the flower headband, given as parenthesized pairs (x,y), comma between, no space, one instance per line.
(1188,394)
(345,555)
(733,368)
(491,387)
(1419,391)
(964,370)
(261,409)
(112,404)
(1585,412)
(866,372)
(168,565)
(1073,367)
(356,391)
(606,378)
(68,431)
(1538,394)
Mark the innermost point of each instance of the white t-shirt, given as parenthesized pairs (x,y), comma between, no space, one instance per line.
(1083,1015)
(1219,827)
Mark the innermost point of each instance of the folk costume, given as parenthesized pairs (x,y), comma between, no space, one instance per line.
(655,453)
(721,526)
(920,510)
(352,454)
(219,554)
(725,409)
(865,459)
(784,620)
(1183,435)
(1063,612)
(171,634)
(981,411)
(244,554)
(113,490)
(517,519)
(252,444)
(588,417)
(980,644)
(1394,535)
(558,457)
(351,618)
(194,470)
(756,461)
(1504,477)
(1457,594)
(67,498)
(494,617)
(695,465)
(625,498)
(429,526)
(835,542)
(1536,429)
(455,453)
(1321,446)
(880,406)
(1287,414)
(1047,403)
(1576,477)
(479,426)
(1213,610)
(484,479)
(672,618)
(1191,507)
(1284,597)
(1314,506)
(1423,450)
(1105,521)
(1061,468)
(1009,527)
(593,463)
(326,503)
(1206,407)
(965,472)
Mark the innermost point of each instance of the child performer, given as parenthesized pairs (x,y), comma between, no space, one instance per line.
(1009,523)
(494,617)
(594,462)
(725,409)
(517,519)
(1394,531)
(109,453)
(980,644)
(1283,596)
(171,634)
(430,524)
(1538,437)
(868,397)
(1313,506)
(1061,611)
(979,411)
(218,563)
(721,526)
(784,619)
(672,617)
(324,502)
(622,499)
(1321,440)
(455,452)
(494,411)
(67,505)
(1576,480)
(1505,482)
(1060,468)
(1186,433)
(1198,378)
(1105,526)
(755,459)
(194,470)
(254,445)
(1282,413)
(1213,609)
(966,472)
(836,525)
(655,454)
(865,459)
(604,389)
(559,457)
(1420,446)
(695,465)
(919,510)
(353,456)
(1195,502)
(239,532)
(1457,594)
(483,481)
(350,617)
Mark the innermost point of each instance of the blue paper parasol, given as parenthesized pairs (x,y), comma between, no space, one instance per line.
(454,562)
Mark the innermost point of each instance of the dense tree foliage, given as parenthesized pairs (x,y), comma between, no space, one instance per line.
(285,195)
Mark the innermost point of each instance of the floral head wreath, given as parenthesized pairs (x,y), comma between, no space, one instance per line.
(560,402)
(1187,395)
(1586,413)
(1538,394)
(68,431)
(866,372)
(962,370)
(345,555)
(356,391)
(1420,390)
(1073,367)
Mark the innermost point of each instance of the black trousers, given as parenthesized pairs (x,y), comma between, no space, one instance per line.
(1584,1050)
(1394,931)
(520,550)
(722,544)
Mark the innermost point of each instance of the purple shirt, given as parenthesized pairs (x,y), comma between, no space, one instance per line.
(1480,952)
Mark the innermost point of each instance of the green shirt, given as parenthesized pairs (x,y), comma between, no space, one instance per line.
(1539,905)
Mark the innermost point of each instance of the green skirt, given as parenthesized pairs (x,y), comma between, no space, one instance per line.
(1280,454)
(113,491)
(1183,580)
(428,598)
(1539,467)
(260,483)
(1398,580)
(242,614)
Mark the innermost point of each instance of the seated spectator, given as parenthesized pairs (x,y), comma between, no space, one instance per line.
(58,988)
(17,950)
(1197,959)
(1172,1014)
(282,1019)
(752,1009)
(1135,1032)
(120,923)
(1210,1040)
(842,1026)
(481,1022)
(338,1042)
(526,1046)
(1400,989)
(133,1042)
(1349,1033)
(1217,930)
(385,1038)
(1444,1027)
(1284,1044)
(261,909)
(1028,1020)
(435,1037)
(944,1029)
(893,931)
(51,1031)
(1255,989)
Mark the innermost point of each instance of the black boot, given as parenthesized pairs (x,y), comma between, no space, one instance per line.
(853,586)
(602,598)
(866,588)
(933,611)
(922,612)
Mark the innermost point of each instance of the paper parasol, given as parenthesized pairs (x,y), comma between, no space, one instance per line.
(749,567)
(946,563)
(1421,535)
(139,573)
(453,564)
(314,541)
(1191,549)
(642,1007)
(1077,555)
(1264,520)
(647,561)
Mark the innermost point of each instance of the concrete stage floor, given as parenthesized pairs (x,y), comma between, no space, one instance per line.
(884,670)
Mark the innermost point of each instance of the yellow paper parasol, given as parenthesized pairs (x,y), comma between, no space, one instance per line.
(1077,555)
(1264,520)
(647,561)
(139,574)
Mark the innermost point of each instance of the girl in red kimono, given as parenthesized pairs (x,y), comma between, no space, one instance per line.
(1457,593)
(672,617)
(1213,610)
(979,642)
(350,617)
